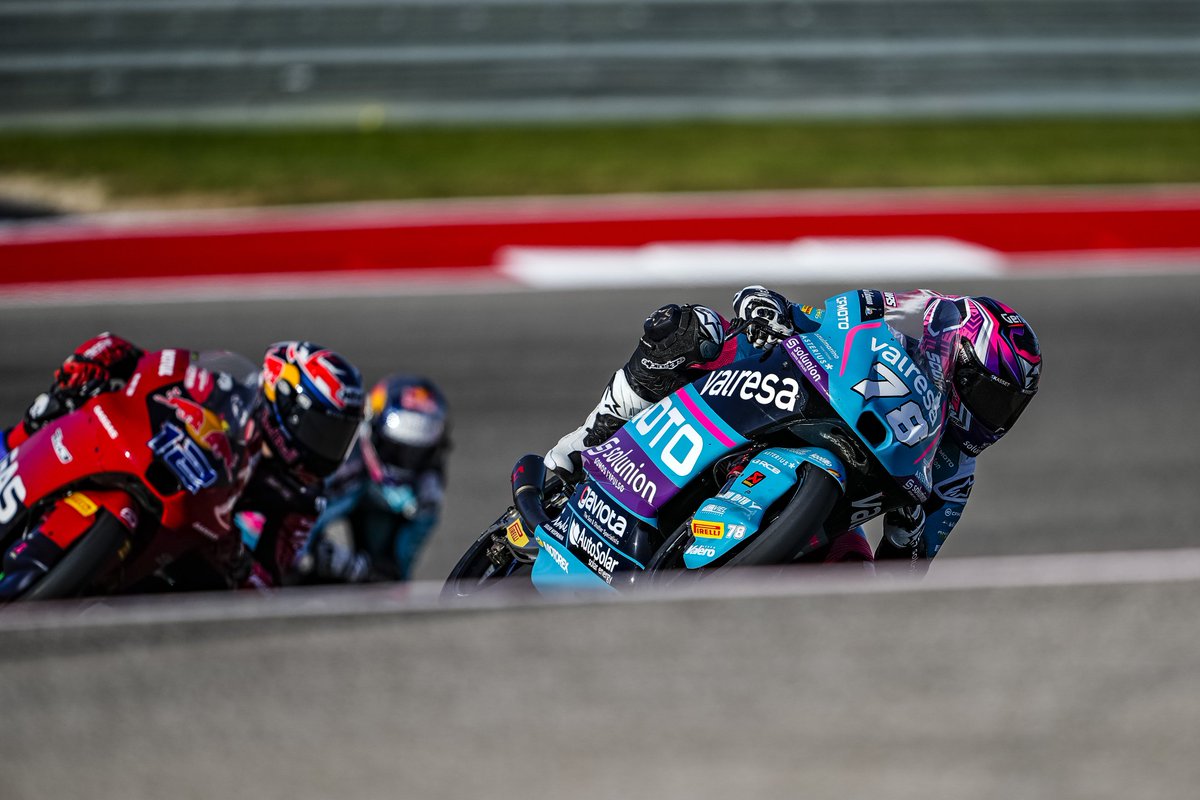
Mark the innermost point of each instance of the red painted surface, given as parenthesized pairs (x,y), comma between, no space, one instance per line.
(456,235)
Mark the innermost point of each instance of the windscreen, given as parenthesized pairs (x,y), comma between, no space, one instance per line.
(931,324)
(230,388)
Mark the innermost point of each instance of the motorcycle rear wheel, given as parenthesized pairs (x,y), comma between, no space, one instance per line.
(476,571)
(782,541)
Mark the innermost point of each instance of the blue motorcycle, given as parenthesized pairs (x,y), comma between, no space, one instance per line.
(760,462)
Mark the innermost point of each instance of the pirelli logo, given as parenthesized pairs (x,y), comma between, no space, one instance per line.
(516,534)
(703,529)
(81,503)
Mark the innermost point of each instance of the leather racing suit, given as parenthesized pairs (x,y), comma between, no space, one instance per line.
(281,505)
(912,536)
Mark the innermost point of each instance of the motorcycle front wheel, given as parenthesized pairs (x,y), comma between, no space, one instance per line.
(83,562)
(784,540)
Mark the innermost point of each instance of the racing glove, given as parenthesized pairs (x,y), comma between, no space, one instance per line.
(673,338)
(101,363)
(766,315)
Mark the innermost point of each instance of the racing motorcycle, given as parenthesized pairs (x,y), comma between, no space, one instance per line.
(760,462)
(131,480)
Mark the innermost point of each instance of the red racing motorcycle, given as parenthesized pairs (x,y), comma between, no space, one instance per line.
(111,494)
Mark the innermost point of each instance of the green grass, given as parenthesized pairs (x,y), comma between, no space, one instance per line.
(303,166)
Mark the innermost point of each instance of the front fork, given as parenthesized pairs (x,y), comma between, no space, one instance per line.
(67,521)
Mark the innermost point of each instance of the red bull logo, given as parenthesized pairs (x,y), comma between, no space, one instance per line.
(217,443)
(320,367)
(418,398)
(272,368)
(205,427)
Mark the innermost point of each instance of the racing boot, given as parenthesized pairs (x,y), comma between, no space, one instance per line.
(616,407)
(673,338)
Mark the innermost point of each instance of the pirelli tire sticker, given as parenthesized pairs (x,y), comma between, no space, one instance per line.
(516,534)
(81,503)
(703,529)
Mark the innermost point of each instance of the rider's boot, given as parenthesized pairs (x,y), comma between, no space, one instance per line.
(673,338)
(619,403)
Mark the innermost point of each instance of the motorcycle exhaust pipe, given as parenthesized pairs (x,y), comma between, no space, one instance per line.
(528,478)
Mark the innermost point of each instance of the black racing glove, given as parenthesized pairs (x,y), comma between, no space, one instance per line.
(668,340)
(672,338)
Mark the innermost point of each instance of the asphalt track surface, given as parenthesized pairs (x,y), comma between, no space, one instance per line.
(1041,691)
(1104,459)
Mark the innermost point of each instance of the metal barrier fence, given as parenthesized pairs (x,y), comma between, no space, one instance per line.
(168,61)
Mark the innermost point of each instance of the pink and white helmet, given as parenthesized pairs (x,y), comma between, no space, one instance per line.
(997,366)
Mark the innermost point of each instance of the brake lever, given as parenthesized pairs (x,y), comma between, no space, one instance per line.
(736,326)
(739,326)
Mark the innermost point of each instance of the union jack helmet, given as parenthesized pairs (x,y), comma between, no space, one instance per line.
(314,404)
(997,368)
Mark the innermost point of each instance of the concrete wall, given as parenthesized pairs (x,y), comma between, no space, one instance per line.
(1032,692)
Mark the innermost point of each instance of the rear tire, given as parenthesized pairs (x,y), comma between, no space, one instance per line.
(476,571)
(82,563)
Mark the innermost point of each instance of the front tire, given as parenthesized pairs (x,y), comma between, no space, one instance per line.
(81,565)
(784,540)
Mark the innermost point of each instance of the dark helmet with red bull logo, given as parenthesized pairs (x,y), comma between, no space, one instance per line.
(997,368)
(314,404)
(408,421)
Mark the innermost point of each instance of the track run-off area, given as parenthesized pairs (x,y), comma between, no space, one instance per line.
(1050,652)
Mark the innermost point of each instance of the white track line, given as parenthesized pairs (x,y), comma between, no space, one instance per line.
(813,259)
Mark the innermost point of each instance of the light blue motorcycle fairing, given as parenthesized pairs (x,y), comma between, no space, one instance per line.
(893,399)
(557,569)
(599,539)
(736,514)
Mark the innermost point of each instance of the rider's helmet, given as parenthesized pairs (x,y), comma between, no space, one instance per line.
(997,365)
(314,403)
(407,429)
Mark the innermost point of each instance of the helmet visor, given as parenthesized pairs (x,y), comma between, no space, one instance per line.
(410,428)
(995,402)
(399,459)
(323,434)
